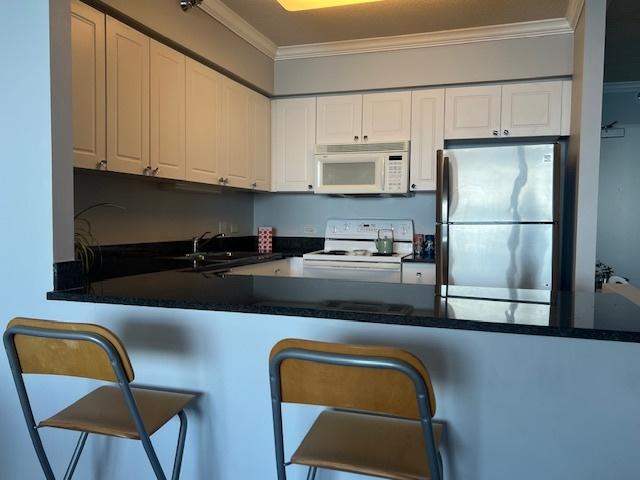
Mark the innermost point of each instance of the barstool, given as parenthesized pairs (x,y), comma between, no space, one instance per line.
(381,422)
(91,351)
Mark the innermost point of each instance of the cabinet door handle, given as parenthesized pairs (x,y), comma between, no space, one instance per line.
(413,186)
(101,165)
(155,171)
(355,138)
(221,180)
(254,184)
(506,132)
(147,171)
(366,137)
(225,181)
(496,133)
(419,274)
(309,187)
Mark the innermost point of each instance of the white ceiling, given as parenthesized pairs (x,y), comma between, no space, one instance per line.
(388,18)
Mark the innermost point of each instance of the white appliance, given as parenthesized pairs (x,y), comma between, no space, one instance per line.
(350,253)
(365,168)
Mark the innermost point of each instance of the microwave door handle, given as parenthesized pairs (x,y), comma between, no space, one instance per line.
(383,180)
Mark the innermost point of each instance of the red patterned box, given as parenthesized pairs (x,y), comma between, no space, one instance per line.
(265,239)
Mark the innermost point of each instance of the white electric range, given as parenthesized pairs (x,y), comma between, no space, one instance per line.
(350,251)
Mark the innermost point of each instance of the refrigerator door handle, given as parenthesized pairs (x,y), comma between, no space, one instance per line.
(442,188)
(442,255)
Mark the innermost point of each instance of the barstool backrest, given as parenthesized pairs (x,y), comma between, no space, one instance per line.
(78,358)
(379,390)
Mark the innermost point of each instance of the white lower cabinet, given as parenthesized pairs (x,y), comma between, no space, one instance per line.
(427,137)
(293,123)
(419,273)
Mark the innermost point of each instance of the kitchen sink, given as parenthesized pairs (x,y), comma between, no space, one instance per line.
(209,261)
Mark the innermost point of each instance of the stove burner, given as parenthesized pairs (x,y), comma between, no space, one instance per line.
(334,252)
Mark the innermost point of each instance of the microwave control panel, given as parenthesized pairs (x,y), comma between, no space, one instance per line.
(396,173)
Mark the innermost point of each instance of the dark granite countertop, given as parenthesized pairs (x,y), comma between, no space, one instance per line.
(610,316)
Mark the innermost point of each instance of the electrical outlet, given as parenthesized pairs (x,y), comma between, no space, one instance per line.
(233,228)
(222,227)
(309,229)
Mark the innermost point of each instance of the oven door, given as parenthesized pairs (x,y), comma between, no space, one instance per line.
(350,173)
(354,271)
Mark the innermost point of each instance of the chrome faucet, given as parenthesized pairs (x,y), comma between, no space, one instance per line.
(198,242)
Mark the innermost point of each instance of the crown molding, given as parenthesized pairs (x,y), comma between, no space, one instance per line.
(234,22)
(574,9)
(538,28)
(621,87)
(239,26)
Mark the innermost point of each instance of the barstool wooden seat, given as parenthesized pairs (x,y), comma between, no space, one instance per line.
(383,402)
(91,351)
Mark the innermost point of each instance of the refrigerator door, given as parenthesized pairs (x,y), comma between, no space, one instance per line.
(498,184)
(512,256)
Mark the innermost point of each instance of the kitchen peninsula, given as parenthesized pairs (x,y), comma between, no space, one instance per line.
(613,317)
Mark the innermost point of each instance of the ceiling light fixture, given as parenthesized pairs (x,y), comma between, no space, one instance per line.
(297,5)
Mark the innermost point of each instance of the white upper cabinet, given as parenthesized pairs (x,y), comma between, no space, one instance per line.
(339,119)
(427,137)
(531,109)
(167,112)
(386,117)
(472,112)
(127,98)
(235,134)
(260,141)
(88,97)
(293,123)
(203,120)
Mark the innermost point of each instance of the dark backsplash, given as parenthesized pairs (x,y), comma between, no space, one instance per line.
(137,258)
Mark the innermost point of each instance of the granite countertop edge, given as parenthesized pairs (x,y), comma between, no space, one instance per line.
(328,313)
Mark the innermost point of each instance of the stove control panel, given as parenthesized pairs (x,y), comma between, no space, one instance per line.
(367,229)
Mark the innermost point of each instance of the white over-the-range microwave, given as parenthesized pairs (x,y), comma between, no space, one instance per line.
(365,168)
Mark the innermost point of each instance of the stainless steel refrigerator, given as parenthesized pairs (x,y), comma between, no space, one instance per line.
(497,220)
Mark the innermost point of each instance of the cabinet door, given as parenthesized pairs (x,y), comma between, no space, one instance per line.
(386,117)
(472,112)
(531,109)
(424,273)
(167,112)
(88,97)
(127,98)
(260,142)
(203,113)
(293,141)
(235,134)
(339,119)
(427,137)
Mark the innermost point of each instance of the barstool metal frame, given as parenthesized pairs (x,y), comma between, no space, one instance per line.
(345,360)
(125,389)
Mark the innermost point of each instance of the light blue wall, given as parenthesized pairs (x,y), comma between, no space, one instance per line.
(517,407)
(290,212)
(618,216)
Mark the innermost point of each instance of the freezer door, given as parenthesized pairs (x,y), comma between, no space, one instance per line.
(514,256)
(500,184)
